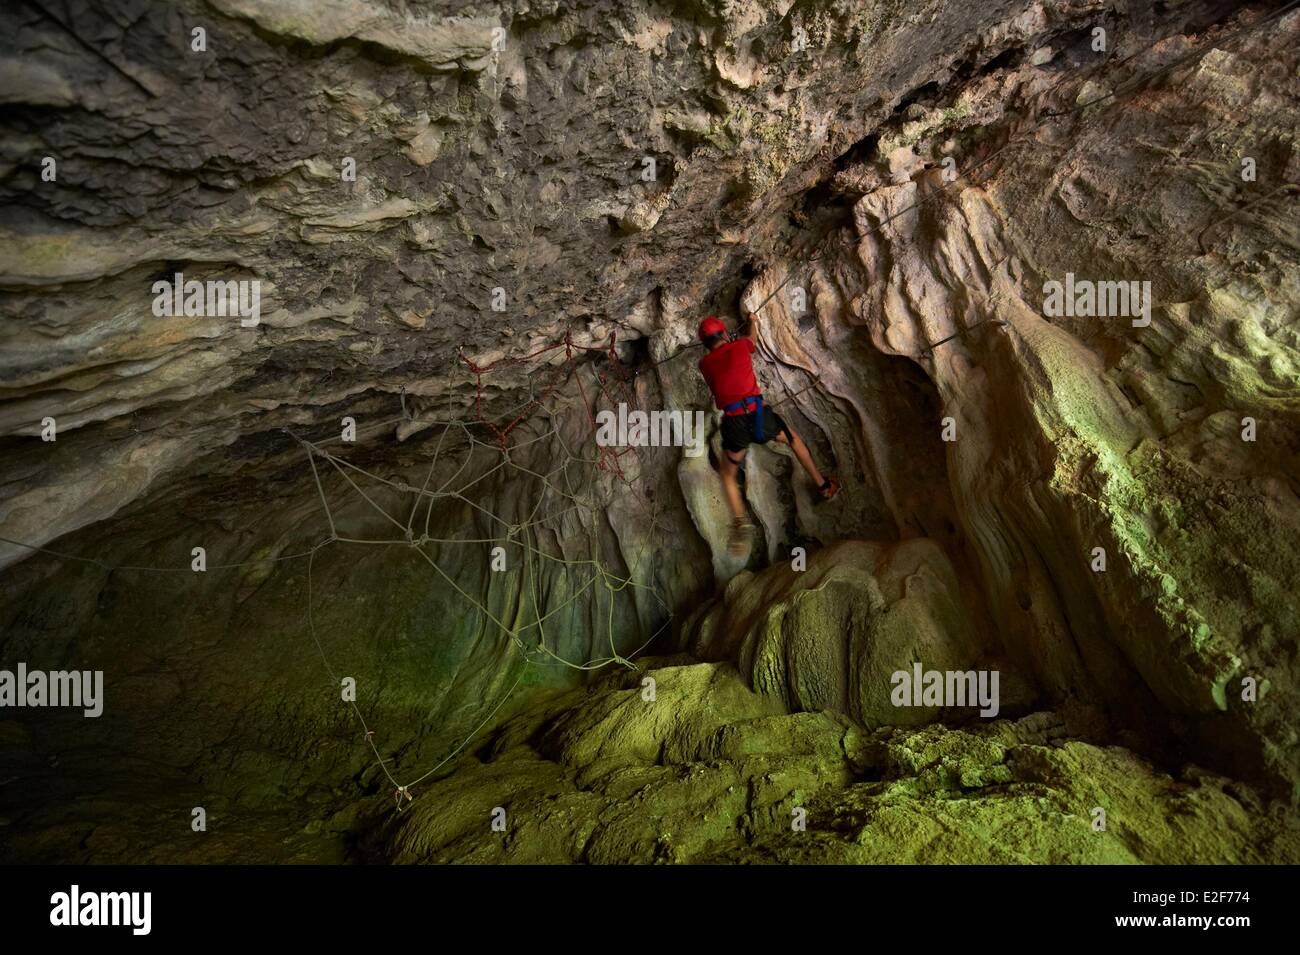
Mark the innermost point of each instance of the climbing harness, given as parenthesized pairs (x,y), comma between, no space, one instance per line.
(737,408)
(606,460)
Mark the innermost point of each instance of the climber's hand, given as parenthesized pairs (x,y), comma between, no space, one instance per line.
(753,326)
(753,318)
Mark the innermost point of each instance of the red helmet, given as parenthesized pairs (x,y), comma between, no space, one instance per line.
(712,325)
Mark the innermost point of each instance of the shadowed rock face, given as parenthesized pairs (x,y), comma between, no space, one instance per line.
(1100,507)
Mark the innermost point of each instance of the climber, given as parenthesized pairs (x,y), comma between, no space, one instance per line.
(729,372)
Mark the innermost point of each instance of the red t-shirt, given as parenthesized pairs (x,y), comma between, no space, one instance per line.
(729,372)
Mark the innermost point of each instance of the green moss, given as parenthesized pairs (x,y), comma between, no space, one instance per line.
(728,132)
(703,774)
(932,125)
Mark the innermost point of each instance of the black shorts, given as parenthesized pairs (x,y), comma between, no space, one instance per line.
(738,430)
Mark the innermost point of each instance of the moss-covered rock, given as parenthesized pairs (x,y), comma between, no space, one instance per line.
(707,772)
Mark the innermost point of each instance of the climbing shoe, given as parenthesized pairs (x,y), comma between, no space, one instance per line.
(830,487)
(738,543)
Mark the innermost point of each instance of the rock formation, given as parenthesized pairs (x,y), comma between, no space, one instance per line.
(471,228)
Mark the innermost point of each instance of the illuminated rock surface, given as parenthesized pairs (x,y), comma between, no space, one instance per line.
(795,149)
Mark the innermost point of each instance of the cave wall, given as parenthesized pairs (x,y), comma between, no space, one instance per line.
(521,168)
(1073,433)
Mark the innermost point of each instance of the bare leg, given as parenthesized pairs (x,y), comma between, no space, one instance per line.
(727,468)
(805,457)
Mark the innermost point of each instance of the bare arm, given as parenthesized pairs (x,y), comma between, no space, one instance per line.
(753,327)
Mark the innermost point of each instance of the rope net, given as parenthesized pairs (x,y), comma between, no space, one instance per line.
(572,485)
(558,488)
(579,483)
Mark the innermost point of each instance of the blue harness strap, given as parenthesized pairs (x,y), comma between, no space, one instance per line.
(757,402)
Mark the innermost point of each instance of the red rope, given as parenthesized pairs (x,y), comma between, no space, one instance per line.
(607,459)
(479,370)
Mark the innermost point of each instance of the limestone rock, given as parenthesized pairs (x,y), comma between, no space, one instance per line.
(831,636)
(893,186)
